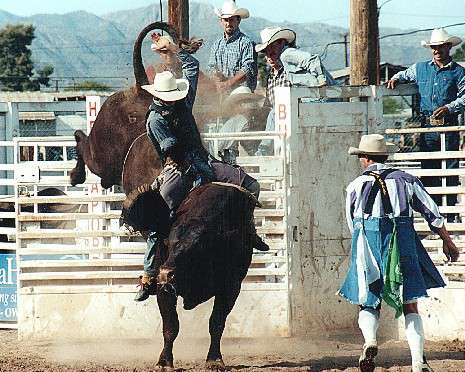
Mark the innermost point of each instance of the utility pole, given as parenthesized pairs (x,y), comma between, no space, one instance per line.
(178,16)
(363,42)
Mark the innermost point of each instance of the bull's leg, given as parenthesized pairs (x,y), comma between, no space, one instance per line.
(78,173)
(221,309)
(169,315)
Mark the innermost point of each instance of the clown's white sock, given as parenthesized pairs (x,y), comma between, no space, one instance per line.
(368,321)
(415,336)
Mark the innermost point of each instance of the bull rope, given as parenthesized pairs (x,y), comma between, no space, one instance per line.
(126,157)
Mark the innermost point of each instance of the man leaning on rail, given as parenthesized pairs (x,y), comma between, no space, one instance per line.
(388,261)
(289,66)
(441,84)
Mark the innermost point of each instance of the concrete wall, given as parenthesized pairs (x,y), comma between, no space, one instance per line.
(116,315)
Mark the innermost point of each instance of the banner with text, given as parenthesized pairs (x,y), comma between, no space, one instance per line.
(8,280)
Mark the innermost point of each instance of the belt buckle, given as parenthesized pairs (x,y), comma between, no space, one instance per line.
(436,122)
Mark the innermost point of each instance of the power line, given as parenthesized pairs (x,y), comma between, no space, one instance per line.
(421,30)
(422,15)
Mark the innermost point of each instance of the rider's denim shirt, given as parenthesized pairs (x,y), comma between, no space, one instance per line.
(437,86)
(159,129)
(165,135)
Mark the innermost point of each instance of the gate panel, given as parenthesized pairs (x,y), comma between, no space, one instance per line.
(71,272)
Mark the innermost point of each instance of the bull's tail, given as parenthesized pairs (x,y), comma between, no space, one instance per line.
(78,173)
(139,70)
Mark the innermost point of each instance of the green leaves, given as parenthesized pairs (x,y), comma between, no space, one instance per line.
(16,66)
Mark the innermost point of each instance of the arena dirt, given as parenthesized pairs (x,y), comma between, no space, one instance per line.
(335,354)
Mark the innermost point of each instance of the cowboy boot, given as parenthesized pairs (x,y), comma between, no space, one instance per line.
(148,285)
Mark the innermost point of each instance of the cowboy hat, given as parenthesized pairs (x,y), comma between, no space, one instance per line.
(373,144)
(240,95)
(230,9)
(440,36)
(155,47)
(271,34)
(167,88)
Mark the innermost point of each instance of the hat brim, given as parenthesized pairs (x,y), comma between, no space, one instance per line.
(390,147)
(454,40)
(182,88)
(241,12)
(241,98)
(285,34)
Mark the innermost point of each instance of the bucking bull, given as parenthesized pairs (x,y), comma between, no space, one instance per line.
(208,250)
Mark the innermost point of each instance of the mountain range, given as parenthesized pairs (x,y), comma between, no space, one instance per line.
(82,45)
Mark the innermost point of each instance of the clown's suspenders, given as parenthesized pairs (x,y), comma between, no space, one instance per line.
(379,186)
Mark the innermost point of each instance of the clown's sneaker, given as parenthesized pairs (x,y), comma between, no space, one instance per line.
(422,367)
(366,362)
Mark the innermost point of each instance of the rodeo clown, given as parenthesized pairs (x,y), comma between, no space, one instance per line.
(388,261)
(173,131)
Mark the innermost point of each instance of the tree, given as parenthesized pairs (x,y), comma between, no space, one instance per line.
(459,54)
(16,66)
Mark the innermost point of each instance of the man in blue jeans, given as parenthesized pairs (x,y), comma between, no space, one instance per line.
(441,84)
(388,261)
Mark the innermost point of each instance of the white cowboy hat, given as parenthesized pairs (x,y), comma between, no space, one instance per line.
(167,88)
(242,94)
(440,36)
(271,34)
(155,47)
(230,9)
(373,144)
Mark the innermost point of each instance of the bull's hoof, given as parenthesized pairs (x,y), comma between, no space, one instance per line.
(164,366)
(215,365)
(160,368)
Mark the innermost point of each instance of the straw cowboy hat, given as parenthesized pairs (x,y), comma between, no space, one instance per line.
(155,47)
(240,95)
(271,34)
(230,9)
(167,88)
(440,36)
(373,144)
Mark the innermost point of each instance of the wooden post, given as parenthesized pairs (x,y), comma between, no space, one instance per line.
(178,16)
(363,42)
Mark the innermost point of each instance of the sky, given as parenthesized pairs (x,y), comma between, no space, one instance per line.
(394,13)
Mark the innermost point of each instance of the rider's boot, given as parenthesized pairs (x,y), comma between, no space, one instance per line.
(148,285)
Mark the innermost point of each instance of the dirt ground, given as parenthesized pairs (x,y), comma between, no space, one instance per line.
(340,354)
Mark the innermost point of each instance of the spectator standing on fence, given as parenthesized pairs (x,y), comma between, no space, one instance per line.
(388,261)
(441,84)
(233,61)
(289,66)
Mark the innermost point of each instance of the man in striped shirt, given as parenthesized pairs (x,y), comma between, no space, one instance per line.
(379,208)
(233,61)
